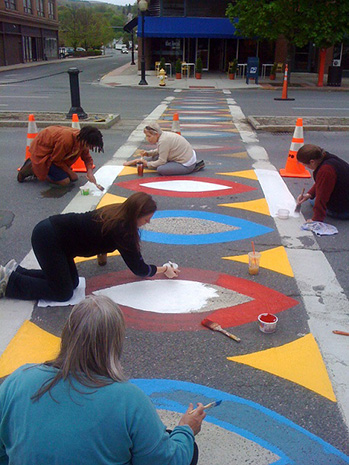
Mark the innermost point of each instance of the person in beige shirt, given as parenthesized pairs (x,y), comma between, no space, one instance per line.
(172,156)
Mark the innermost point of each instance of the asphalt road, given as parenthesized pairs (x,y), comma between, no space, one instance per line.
(188,355)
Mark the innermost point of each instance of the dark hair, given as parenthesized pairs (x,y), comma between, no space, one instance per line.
(310,152)
(92,137)
(126,214)
(91,346)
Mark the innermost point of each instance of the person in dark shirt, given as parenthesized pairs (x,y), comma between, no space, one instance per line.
(58,239)
(331,189)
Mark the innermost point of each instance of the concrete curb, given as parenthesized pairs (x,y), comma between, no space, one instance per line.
(59,119)
(287,124)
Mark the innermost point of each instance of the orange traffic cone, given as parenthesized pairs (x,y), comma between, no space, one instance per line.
(75,122)
(293,168)
(175,124)
(31,134)
(284,87)
(79,165)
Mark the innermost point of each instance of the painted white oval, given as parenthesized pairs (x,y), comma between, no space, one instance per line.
(173,296)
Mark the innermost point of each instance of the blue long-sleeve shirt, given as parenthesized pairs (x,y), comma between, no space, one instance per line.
(116,424)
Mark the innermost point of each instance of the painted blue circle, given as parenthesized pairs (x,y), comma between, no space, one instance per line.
(272,431)
(246,229)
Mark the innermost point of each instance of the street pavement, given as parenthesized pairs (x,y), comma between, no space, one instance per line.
(285,394)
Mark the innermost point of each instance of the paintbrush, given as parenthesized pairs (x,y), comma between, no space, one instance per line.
(299,205)
(216,327)
(210,405)
(343,333)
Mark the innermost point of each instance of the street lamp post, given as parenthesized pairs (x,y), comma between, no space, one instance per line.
(143,6)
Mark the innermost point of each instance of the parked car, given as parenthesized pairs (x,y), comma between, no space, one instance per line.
(65,52)
(80,49)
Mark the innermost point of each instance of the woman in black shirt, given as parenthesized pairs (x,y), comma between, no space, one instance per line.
(59,239)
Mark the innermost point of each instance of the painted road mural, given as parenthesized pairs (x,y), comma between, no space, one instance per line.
(272,386)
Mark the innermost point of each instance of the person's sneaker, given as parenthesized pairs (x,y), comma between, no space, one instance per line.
(25,171)
(4,277)
(199,166)
(11,266)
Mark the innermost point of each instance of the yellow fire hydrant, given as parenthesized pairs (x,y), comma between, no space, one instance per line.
(162,76)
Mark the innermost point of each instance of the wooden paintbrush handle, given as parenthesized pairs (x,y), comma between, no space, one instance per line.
(235,338)
(343,333)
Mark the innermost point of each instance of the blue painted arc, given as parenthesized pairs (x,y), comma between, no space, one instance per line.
(246,229)
(292,443)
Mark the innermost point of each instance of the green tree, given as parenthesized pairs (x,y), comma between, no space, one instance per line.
(325,22)
(88,25)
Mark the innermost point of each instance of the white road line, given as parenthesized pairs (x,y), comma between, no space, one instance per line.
(320,108)
(24,96)
(323,297)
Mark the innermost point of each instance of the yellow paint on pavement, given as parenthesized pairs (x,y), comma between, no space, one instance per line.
(132,170)
(248,174)
(272,259)
(84,259)
(299,361)
(31,344)
(109,199)
(258,206)
(233,155)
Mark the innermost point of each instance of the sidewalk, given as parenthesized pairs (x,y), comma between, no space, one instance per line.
(129,75)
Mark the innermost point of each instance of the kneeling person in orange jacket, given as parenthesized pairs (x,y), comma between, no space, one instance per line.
(56,148)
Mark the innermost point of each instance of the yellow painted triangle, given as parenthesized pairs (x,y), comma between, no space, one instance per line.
(258,206)
(31,344)
(234,155)
(299,361)
(132,170)
(84,259)
(248,174)
(275,259)
(109,199)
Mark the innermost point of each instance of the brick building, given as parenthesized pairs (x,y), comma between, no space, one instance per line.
(28,31)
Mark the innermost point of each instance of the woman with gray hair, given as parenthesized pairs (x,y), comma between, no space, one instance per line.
(79,408)
(173,155)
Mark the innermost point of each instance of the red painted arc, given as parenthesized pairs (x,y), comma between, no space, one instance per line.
(264,300)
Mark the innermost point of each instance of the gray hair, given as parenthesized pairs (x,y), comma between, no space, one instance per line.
(154,128)
(91,346)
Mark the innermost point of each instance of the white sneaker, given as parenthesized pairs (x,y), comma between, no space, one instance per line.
(11,266)
(4,277)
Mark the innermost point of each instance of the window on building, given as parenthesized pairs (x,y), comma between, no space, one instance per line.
(27,6)
(173,7)
(51,9)
(40,4)
(11,4)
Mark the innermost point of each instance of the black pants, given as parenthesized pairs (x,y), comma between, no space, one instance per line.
(58,276)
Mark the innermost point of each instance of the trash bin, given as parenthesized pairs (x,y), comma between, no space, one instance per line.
(334,77)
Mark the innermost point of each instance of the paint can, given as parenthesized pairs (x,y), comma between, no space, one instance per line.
(267,322)
(84,190)
(102,259)
(140,168)
(283,213)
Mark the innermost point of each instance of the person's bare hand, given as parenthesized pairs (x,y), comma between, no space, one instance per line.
(195,419)
(302,198)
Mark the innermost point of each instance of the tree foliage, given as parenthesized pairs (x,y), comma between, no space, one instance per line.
(324,22)
(89,26)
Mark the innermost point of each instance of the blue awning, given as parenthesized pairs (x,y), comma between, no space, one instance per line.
(170,27)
